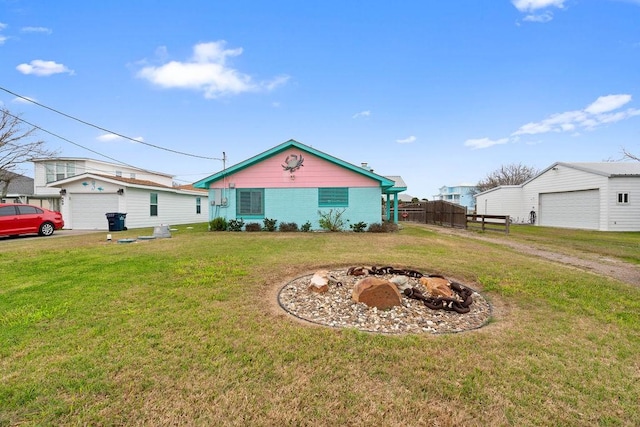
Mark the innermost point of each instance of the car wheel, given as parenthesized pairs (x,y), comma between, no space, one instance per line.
(46,229)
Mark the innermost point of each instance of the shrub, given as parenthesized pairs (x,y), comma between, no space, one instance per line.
(269,224)
(384,227)
(218,224)
(288,226)
(236,224)
(252,226)
(306,227)
(358,227)
(331,221)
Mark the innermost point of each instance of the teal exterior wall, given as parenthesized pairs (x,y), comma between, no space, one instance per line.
(300,205)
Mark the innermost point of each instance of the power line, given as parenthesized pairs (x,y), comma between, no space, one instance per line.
(106,130)
(69,141)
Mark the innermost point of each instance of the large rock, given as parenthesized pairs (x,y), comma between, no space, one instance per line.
(437,286)
(376,292)
(320,282)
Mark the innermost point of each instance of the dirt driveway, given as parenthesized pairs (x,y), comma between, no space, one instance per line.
(614,268)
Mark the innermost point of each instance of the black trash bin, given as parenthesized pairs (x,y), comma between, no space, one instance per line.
(116,221)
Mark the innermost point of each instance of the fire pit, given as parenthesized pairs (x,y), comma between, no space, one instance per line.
(333,305)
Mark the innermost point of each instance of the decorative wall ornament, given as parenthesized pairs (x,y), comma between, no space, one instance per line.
(293,162)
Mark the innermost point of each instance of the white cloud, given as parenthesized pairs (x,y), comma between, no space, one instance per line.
(543,17)
(599,113)
(408,140)
(596,114)
(207,71)
(42,30)
(39,67)
(361,114)
(531,8)
(484,142)
(532,5)
(275,82)
(608,103)
(24,100)
(108,137)
(3,38)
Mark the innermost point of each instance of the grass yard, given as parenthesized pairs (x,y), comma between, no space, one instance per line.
(184,331)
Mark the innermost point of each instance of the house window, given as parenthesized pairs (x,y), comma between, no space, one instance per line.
(198,205)
(623,198)
(333,197)
(71,169)
(250,202)
(153,205)
(61,171)
(50,171)
(58,171)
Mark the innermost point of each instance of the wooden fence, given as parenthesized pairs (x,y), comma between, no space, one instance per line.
(437,212)
(440,212)
(489,222)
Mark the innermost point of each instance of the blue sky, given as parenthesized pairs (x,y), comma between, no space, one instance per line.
(439,92)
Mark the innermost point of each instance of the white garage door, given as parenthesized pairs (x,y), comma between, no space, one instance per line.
(571,209)
(88,210)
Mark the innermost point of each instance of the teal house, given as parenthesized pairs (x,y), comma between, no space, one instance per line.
(293,182)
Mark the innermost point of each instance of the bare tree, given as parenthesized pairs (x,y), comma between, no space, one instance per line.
(628,155)
(512,174)
(17,146)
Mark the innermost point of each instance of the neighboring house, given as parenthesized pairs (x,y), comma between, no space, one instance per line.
(406,198)
(19,190)
(85,190)
(596,196)
(459,194)
(293,182)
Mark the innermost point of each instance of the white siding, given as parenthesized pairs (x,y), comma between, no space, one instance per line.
(86,203)
(173,208)
(110,169)
(623,217)
(502,201)
(81,166)
(88,200)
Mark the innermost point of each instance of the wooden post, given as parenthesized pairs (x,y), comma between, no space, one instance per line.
(506,226)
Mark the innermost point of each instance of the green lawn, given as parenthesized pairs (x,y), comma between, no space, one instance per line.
(185,331)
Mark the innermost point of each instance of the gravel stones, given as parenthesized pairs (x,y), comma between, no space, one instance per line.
(335,308)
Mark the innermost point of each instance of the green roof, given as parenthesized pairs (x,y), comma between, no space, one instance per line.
(385,183)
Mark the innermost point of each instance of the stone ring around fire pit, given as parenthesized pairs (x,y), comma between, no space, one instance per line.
(327,298)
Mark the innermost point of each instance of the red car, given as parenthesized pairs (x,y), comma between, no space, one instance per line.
(26,219)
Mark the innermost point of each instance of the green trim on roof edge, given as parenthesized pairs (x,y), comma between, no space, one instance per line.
(206,182)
